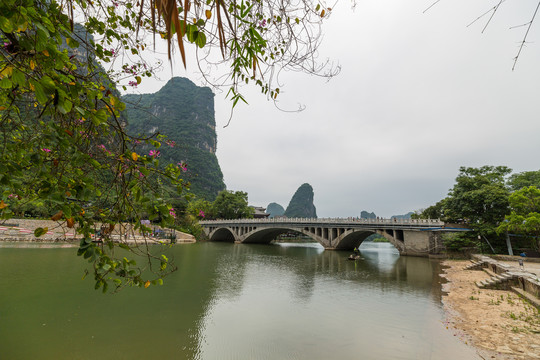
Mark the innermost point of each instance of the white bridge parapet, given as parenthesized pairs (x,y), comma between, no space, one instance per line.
(413,223)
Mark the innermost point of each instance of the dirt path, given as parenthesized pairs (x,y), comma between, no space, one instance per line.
(498,322)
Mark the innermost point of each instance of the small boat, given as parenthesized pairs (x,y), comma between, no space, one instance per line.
(354,257)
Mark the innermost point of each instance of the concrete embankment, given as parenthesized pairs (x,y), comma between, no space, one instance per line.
(22,230)
(518,275)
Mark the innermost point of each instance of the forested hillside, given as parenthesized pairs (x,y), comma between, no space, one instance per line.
(184,113)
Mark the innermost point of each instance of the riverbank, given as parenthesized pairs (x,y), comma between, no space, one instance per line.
(22,230)
(499,323)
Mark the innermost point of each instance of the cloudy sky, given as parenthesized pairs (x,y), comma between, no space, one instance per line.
(418,96)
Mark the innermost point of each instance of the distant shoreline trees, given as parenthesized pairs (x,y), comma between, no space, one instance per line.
(491,202)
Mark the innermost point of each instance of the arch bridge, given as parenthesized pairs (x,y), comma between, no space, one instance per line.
(418,237)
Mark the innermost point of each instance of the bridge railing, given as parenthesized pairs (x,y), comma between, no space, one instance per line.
(352,220)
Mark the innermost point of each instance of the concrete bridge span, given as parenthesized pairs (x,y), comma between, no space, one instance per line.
(420,237)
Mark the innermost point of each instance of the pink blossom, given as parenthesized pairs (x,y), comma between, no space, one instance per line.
(11,196)
(171,143)
(182,166)
(154,153)
(172,212)
(46,150)
(133,83)
(102,147)
(201,213)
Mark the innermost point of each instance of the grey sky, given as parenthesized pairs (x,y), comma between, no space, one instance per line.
(419,95)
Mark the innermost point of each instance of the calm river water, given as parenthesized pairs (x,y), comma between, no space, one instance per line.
(286,301)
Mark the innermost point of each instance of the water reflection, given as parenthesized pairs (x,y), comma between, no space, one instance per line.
(228,302)
(300,302)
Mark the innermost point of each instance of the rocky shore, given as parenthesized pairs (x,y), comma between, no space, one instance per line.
(499,323)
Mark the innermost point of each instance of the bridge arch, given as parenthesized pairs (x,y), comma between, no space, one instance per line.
(346,240)
(265,236)
(224,234)
(352,238)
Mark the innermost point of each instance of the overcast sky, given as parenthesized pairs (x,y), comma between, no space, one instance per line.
(418,96)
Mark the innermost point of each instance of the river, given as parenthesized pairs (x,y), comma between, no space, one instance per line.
(282,301)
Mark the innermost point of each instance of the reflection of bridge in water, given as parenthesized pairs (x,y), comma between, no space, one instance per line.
(419,237)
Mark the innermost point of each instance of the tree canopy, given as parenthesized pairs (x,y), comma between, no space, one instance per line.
(491,203)
(232,205)
(479,196)
(524,218)
(61,116)
(524,179)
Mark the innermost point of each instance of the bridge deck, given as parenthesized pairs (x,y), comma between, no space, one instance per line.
(332,222)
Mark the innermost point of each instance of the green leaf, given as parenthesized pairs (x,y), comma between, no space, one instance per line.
(94,163)
(6,25)
(67,211)
(100,116)
(48,84)
(18,77)
(200,40)
(40,93)
(40,231)
(65,106)
(144,171)
(89,252)
(5,83)
(192,33)
(72,43)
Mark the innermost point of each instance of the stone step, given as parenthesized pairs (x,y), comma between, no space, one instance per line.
(474,265)
(494,280)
